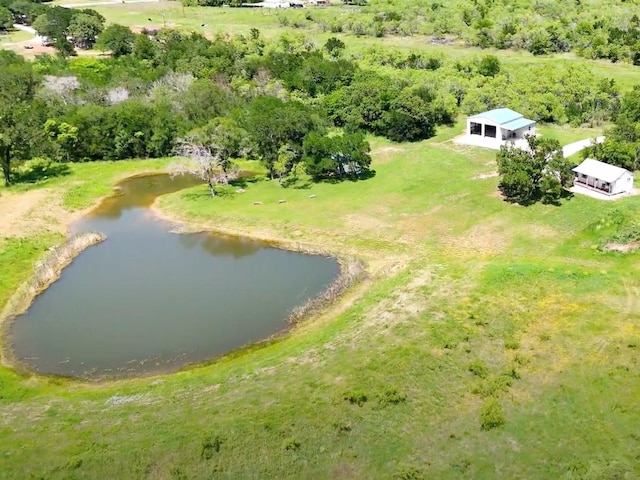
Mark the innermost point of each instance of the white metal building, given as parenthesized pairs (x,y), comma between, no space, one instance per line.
(603,177)
(498,127)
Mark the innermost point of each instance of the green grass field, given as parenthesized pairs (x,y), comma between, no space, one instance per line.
(490,341)
(14,37)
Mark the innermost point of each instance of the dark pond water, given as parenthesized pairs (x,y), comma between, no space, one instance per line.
(147,300)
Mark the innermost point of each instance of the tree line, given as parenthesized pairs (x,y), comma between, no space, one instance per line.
(295,105)
(542,27)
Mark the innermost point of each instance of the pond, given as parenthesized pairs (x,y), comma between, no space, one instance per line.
(150,301)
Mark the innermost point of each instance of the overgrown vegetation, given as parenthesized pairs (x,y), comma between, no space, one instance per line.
(538,173)
(541,28)
(622,143)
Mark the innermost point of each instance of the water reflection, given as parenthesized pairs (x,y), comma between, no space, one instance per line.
(221,246)
(149,300)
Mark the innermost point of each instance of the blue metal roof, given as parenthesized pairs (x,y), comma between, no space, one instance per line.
(499,115)
(516,124)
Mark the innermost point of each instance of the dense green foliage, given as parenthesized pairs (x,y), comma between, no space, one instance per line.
(541,173)
(154,89)
(622,144)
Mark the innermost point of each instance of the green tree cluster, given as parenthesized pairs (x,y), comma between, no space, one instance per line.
(539,173)
(622,143)
(67,28)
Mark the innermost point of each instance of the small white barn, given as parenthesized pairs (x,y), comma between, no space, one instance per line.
(603,177)
(498,127)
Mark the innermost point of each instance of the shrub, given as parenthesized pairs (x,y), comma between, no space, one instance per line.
(409,472)
(493,385)
(343,426)
(478,369)
(210,446)
(544,337)
(608,471)
(491,415)
(511,344)
(392,397)
(291,444)
(512,373)
(356,397)
(521,359)
(40,168)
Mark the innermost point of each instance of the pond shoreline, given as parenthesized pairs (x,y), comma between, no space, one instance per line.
(46,272)
(351,271)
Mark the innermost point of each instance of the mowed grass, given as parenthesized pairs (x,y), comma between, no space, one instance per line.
(234,21)
(6,39)
(476,312)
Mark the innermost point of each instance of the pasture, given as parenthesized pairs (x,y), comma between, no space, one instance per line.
(485,331)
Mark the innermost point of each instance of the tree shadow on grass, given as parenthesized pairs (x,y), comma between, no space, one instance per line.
(198,194)
(244,181)
(365,175)
(557,202)
(539,197)
(40,171)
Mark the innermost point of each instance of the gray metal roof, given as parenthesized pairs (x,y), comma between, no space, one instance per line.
(600,170)
(518,123)
(499,115)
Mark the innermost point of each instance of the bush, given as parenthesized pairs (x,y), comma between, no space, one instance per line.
(478,369)
(409,472)
(210,446)
(493,385)
(40,168)
(291,444)
(392,397)
(608,471)
(491,415)
(343,426)
(356,397)
(511,344)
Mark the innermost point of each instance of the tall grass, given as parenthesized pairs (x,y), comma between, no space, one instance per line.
(351,270)
(48,270)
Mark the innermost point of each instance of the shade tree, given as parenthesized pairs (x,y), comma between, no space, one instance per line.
(84,29)
(336,156)
(539,173)
(117,39)
(6,19)
(272,123)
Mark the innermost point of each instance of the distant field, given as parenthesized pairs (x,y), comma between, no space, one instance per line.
(239,21)
(270,23)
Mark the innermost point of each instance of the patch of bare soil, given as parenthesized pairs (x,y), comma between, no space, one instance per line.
(484,238)
(622,247)
(32,212)
(384,154)
(30,49)
(484,176)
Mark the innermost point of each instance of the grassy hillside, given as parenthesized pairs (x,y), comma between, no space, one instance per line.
(490,341)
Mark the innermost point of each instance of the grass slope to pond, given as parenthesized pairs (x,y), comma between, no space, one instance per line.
(491,341)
